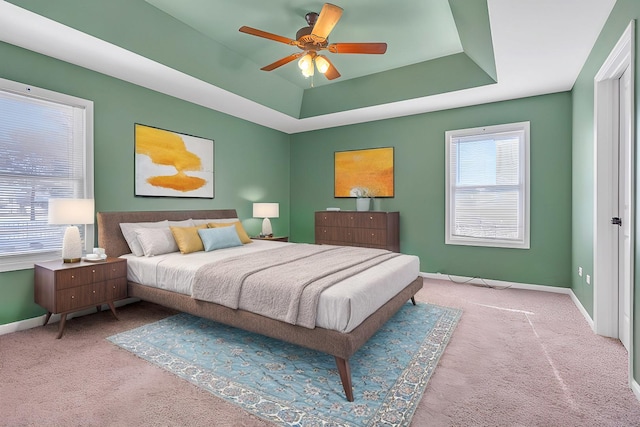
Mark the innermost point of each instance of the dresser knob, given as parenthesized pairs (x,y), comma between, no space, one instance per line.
(93,271)
(94,292)
(73,277)
(73,296)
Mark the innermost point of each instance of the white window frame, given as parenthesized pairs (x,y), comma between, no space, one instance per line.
(26,261)
(450,237)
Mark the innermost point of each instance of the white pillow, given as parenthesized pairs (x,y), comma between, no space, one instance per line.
(156,241)
(128,231)
(219,221)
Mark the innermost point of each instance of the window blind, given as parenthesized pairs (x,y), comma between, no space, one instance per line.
(42,156)
(487,200)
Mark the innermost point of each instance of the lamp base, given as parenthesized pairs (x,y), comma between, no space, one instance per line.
(71,245)
(266,227)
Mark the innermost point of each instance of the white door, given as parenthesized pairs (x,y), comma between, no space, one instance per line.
(624,209)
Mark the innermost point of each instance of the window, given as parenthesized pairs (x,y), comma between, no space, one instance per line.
(47,152)
(487,186)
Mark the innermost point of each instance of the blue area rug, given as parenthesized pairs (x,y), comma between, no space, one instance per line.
(292,386)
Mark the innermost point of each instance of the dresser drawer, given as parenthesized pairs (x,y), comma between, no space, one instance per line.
(370,237)
(371,220)
(336,219)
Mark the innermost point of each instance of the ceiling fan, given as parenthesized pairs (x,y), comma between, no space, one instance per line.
(313,39)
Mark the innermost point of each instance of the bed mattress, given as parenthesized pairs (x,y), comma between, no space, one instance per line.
(342,307)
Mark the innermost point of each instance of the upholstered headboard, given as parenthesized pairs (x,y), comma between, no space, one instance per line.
(110,235)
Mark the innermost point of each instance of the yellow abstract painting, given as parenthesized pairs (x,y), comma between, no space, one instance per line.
(172,164)
(364,173)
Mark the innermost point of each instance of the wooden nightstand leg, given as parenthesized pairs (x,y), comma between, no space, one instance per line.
(46,319)
(113,309)
(63,321)
(413,300)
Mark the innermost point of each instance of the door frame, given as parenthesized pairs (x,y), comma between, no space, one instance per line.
(605,261)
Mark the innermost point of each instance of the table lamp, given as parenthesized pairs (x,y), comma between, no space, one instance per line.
(70,212)
(266,211)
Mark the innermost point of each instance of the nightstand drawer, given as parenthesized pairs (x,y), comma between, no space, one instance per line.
(73,277)
(116,270)
(82,296)
(116,289)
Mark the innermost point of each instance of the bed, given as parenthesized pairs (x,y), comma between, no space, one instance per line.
(339,341)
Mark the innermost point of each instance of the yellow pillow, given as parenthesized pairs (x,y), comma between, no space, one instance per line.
(242,234)
(188,239)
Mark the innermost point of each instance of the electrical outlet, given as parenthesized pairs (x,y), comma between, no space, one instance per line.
(580,271)
(588,279)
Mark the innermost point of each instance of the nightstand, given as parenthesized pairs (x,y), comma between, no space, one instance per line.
(273,239)
(65,288)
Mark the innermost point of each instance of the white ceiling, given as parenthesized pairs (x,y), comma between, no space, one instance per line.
(539,46)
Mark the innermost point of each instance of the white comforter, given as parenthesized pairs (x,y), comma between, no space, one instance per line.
(341,307)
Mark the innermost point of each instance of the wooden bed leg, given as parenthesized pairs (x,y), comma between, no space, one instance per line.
(413,300)
(345,377)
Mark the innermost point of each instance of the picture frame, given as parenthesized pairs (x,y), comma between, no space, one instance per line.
(364,173)
(172,164)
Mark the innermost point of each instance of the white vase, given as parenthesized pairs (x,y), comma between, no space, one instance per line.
(363,204)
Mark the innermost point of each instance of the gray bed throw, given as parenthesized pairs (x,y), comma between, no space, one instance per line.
(283,283)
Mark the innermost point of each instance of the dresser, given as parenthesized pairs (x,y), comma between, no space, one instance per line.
(370,229)
(65,288)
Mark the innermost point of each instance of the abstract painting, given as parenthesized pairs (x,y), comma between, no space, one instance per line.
(364,173)
(171,164)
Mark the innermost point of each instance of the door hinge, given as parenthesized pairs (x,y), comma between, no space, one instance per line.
(616,221)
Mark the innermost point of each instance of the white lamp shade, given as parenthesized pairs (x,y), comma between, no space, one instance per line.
(266,210)
(71,211)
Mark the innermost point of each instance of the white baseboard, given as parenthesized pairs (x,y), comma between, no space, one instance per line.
(34,322)
(635,387)
(513,285)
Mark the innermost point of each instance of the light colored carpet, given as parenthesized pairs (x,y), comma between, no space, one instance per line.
(517,358)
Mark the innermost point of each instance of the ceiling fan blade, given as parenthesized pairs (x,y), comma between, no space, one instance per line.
(270,36)
(332,72)
(328,18)
(369,48)
(281,62)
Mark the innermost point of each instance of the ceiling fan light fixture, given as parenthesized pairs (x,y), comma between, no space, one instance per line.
(306,62)
(309,72)
(322,63)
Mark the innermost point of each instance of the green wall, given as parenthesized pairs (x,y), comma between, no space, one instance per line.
(251,162)
(420,193)
(583,150)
